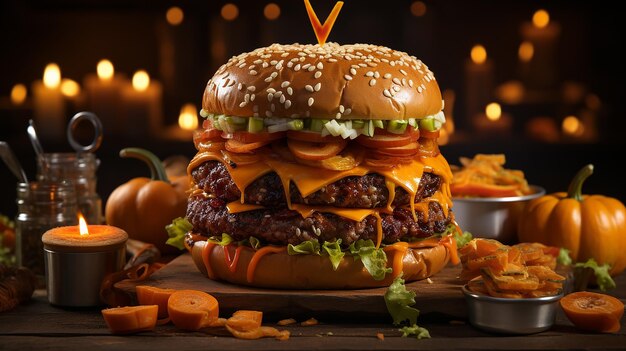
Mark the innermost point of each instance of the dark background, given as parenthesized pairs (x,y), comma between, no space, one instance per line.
(77,34)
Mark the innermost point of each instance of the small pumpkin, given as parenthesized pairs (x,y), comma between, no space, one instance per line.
(144,206)
(590,226)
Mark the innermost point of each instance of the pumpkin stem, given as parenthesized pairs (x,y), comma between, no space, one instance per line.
(157,171)
(576,186)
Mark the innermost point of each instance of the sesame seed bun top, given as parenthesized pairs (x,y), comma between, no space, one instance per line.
(358,81)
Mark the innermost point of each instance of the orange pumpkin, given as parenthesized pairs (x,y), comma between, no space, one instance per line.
(590,226)
(144,206)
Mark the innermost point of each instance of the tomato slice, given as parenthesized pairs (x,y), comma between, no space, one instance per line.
(247,137)
(239,147)
(428,147)
(406,150)
(429,135)
(315,151)
(313,137)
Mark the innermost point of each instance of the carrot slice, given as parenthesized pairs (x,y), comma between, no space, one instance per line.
(245,320)
(192,309)
(130,319)
(593,312)
(150,295)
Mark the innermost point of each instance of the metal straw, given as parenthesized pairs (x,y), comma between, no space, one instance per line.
(32,134)
(12,162)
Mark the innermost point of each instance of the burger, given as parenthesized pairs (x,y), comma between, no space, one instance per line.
(317,167)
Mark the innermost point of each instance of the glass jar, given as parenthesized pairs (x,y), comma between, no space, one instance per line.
(80,169)
(41,206)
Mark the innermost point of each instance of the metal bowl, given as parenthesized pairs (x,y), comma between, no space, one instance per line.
(493,217)
(511,316)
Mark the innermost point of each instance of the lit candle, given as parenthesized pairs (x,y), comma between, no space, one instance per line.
(187,124)
(49,104)
(479,80)
(103,95)
(493,121)
(72,93)
(143,112)
(538,51)
(77,260)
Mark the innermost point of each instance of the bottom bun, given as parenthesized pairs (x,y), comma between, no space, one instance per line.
(284,271)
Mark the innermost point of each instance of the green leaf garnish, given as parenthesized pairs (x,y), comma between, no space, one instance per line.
(176,232)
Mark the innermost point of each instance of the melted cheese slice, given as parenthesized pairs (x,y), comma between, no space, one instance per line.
(310,179)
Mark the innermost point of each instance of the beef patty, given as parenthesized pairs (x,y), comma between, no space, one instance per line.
(282,226)
(368,191)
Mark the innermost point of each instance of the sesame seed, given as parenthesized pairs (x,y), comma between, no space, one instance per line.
(239,86)
(318,86)
(278,93)
(306,66)
(362,64)
(338,115)
(274,75)
(287,104)
(285,84)
(279,66)
(348,111)
(289,64)
(297,68)
(341,108)
(353,71)
(396,80)
(290,90)
(253,72)
(251,66)
(411,83)
(268,79)
(285,54)
(252,97)
(386,93)
(226,81)
(282,99)
(311,101)
(273,62)
(320,65)
(376,75)
(270,96)
(246,97)
(271,90)
(243,104)
(347,77)
(396,88)
(419,89)
(403,72)
(251,88)
(403,81)
(372,82)
(258,62)
(265,64)
(369,74)
(332,60)
(387,75)
(311,68)
(318,74)
(308,88)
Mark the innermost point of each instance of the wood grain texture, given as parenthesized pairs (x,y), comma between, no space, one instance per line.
(443,296)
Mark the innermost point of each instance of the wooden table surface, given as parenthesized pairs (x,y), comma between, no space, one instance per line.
(38,325)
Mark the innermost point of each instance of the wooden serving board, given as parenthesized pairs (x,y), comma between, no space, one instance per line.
(441,298)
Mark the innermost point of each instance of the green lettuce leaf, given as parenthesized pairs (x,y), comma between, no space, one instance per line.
(399,301)
(176,232)
(223,241)
(603,278)
(419,332)
(309,247)
(462,239)
(333,250)
(564,257)
(373,259)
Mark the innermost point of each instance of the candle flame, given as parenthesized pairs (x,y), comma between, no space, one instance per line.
(52,76)
(141,80)
(541,18)
(188,120)
(105,70)
(493,111)
(526,51)
(174,15)
(82,225)
(229,12)
(571,125)
(18,94)
(271,11)
(69,88)
(478,54)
